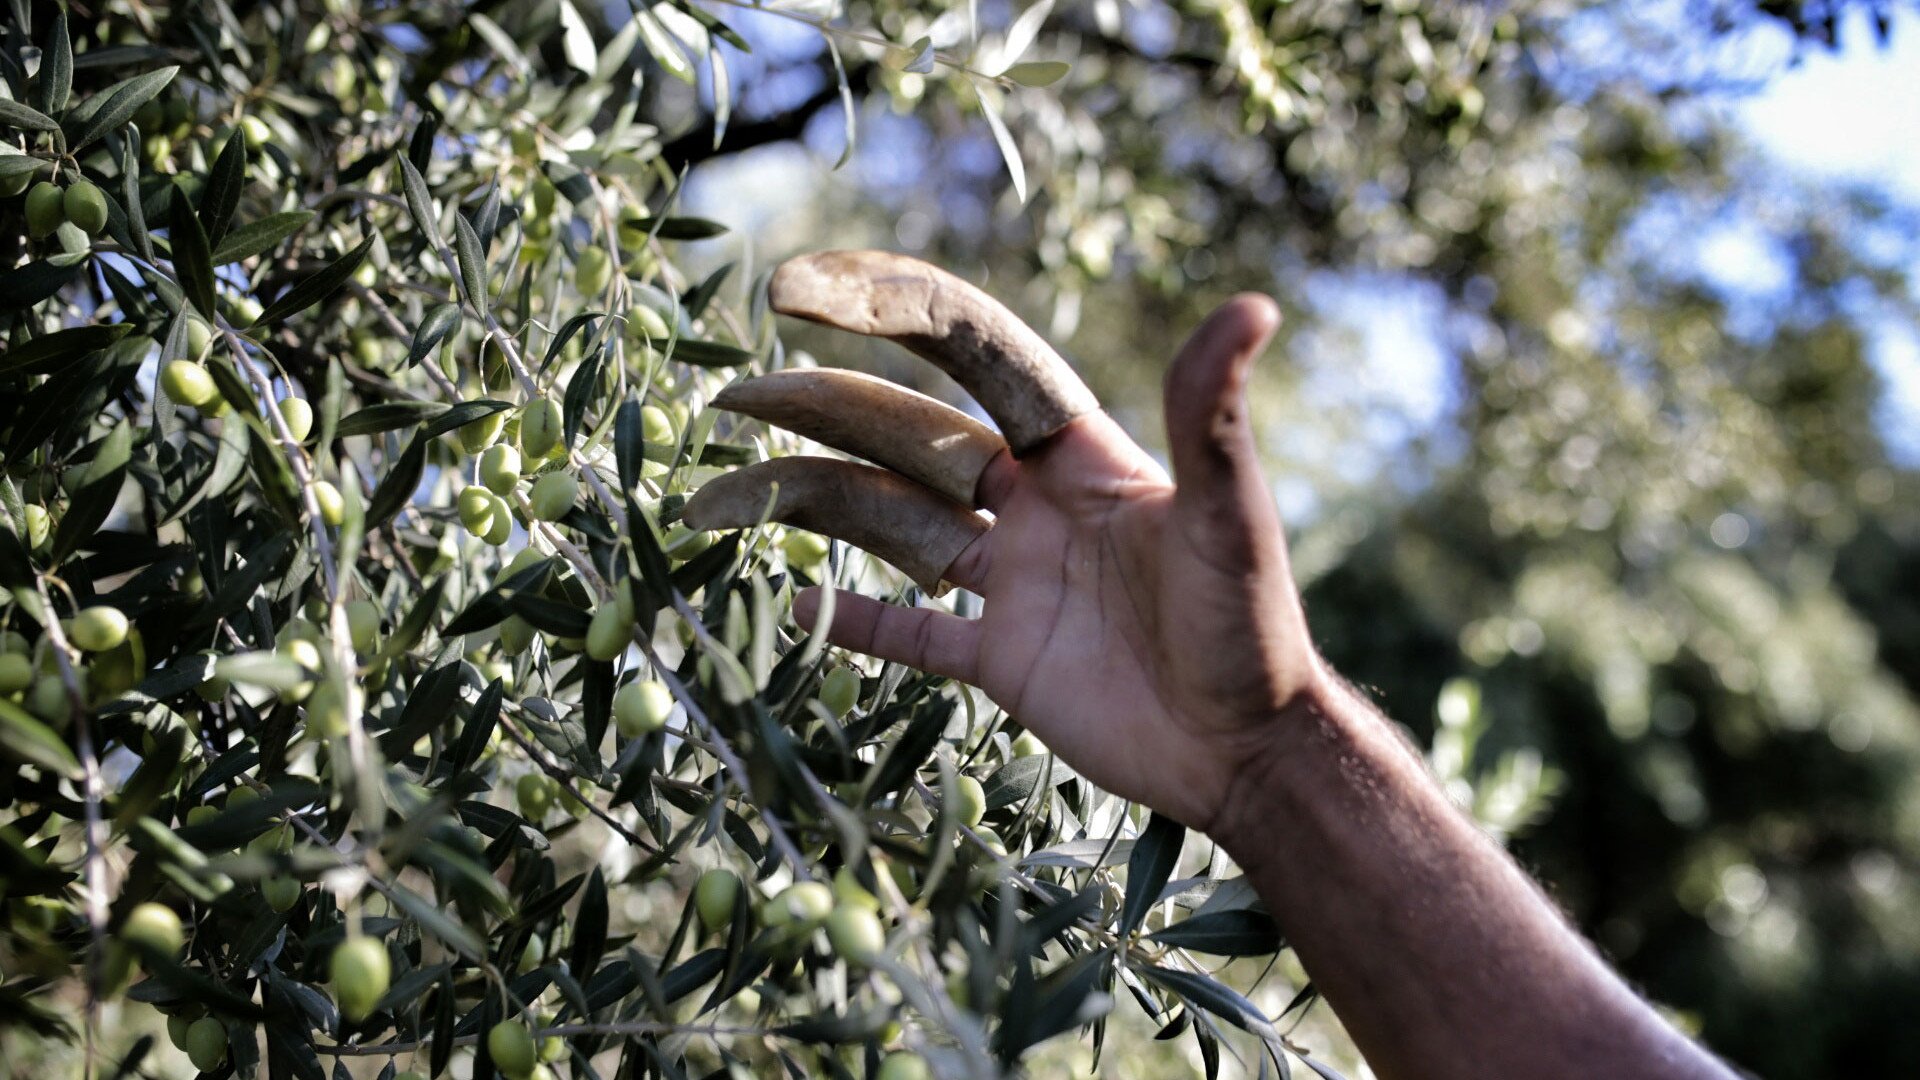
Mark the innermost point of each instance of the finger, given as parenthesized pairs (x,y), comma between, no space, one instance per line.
(1008,368)
(1219,488)
(910,433)
(915,529)
(925,638)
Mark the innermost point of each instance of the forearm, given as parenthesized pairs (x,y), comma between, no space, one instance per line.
(1438,953)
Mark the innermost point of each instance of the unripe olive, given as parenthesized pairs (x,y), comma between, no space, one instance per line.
(206,1043)
(840,690)
(258,132)
(848,891)
(969,800)
(856,934)
(16,673)
(14,183)
(532,955)
(46,210)
(641,707)
(500,469)
(300,650)
(714,897)
(99,628)
(187,383)
(177,1031)
(804,549)
(535,793)
(281,891)
(510,1045)
(363,625)
(361,971)
(655,425)
(592,271)
(477,435)
(904,1065)
(803,904)
(1028,745)
(333,507)
(609,634)
(154,928)
(327,711)
(476,510)
(516,635)
(199,337)
(501,530)
(298,416)
(553,495)
(39,526)
(541,425)
(48,699)
(683,543)
(243,311)
(86,206)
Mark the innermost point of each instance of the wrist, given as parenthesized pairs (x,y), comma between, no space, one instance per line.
(1310,749)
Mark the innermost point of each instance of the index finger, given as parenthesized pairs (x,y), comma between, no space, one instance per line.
(1018,378)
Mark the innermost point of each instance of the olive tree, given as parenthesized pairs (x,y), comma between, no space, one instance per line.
(365,702)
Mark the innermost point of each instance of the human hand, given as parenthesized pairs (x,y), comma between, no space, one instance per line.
(1148,631)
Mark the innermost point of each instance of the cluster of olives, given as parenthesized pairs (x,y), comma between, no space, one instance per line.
(49,208)
(114,663)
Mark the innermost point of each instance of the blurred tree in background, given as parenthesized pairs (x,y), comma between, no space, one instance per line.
(1622,541)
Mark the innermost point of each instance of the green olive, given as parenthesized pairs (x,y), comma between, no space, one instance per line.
(282,892)
(333,508)
(856,934)
(510,1045)
(154,928)
(206,1043)
(592,271)
(97,629)
(86,206)
(516,635)
(476,510)
(609,634)
(1028,745)
(363,625)
(199,337)
(298,416)
(46,210)
(14,183)
(656,426)
(501,530)
(477,435)
(553,495)
(804,549)
(187,383)
(969,801)
(500,469)
(714,896)
(804,904)
(641,707)
(535,793)
(541,426)
(361,971)
(327,711)
(16,673)
(39,527)
(903,1065)
(840,690)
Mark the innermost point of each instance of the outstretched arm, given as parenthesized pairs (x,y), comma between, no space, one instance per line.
(1150,632)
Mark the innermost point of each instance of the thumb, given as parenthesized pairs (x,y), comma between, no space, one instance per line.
(1221,498)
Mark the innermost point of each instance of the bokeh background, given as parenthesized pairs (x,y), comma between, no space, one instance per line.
(1600,388)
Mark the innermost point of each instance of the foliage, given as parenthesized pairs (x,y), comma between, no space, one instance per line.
(365,699)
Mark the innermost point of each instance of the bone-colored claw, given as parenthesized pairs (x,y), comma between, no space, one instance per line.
(908,525)
(912,434)
(1014,374)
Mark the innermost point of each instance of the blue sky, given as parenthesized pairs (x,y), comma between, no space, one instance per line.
(1850,118)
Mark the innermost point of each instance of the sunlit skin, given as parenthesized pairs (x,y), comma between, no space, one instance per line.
(1148,629)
